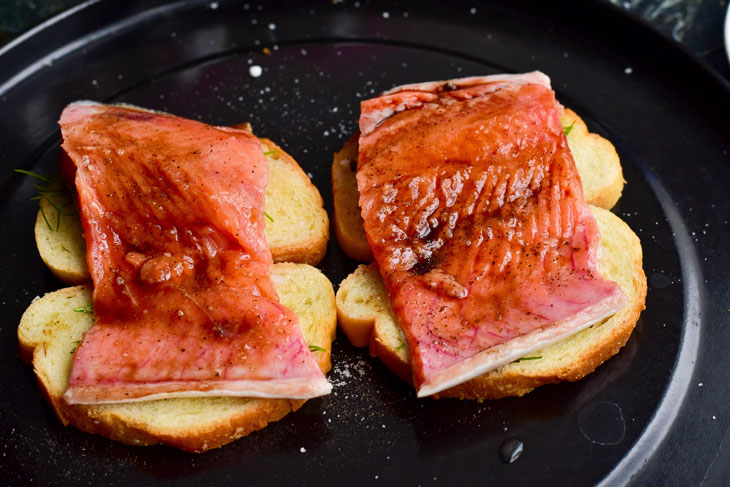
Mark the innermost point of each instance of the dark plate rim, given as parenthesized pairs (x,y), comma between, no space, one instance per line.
(628,466)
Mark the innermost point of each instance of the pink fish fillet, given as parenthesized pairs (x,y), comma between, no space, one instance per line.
(172,212)
(474,212)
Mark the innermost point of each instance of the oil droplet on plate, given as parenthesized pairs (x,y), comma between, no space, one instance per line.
(602,423)
(510,450)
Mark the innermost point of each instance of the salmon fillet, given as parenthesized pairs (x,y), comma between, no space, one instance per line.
(474,212)
(172,212)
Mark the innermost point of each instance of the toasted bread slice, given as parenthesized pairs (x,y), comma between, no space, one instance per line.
(50,330)
(595,157)
(61,243)
(364,314)
(300,228)
(297,231)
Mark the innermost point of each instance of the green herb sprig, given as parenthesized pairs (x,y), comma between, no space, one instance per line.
(89,308)
(569,128)
(76,345)
(271,153)
(528,358)
(315,348)
(53,192)
(268,217)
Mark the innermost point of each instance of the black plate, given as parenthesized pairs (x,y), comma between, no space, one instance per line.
(658,412)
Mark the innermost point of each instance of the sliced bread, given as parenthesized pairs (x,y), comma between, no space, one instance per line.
(364,314)
(50,330)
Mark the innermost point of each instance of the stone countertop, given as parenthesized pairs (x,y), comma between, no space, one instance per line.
(695,24)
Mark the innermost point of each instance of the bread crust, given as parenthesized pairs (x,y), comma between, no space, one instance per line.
(299,232)
(596,159)
(46,333)
(370,319)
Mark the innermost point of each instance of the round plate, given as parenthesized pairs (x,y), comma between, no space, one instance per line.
(655,413)
(726,33)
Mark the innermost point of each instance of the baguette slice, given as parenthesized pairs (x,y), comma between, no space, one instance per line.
(364,314)
(298,233)
(595,157)
(50,330)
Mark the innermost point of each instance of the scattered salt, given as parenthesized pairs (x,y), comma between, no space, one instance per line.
(386,15)
(628,70)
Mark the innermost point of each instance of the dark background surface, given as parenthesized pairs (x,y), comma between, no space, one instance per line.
(695,24)
(664,398)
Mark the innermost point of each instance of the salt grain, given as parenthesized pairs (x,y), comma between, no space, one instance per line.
(255,71)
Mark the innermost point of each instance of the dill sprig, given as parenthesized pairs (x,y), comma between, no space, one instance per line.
(89,308)
(76,345)
(271,153)
(528,358)
(315,348)
(268,217)
(569,128)
(54,193)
